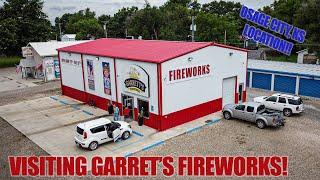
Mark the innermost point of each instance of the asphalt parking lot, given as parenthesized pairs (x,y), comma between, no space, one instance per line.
(299,139)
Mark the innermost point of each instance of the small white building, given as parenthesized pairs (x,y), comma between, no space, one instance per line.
(68,37)
(170,82)
(45,55)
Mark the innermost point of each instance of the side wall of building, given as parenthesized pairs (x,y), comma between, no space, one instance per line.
(190,98)
(72,76)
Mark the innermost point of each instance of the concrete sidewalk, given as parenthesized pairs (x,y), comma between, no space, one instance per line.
(11,80)
(50,122)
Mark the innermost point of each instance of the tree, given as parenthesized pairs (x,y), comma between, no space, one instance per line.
(22,21)
(177,20)
(229,9)
(222,8)
(211,27)
(88,29)
(119,23)
(146,23)
(82,23)
(307,17)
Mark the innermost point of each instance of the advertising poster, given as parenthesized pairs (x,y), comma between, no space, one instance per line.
(106,78)
(90,74)
(56,68)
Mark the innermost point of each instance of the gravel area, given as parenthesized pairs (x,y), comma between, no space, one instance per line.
(299,139)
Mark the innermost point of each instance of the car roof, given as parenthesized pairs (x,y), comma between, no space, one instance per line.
(254,104)
(286,95)
(95,123)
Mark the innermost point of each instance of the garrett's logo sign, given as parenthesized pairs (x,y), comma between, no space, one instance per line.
(135,85)
(136,81)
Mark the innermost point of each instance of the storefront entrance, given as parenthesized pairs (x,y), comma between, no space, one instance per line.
(127,101)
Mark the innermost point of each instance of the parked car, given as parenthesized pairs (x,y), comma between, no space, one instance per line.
(253,112)
(93,133)
(288,104)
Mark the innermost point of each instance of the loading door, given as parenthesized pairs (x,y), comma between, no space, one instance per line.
(309,87)
(228,90)
(285,84)
(261,81)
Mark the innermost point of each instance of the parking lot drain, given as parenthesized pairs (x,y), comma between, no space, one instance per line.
(137,133)
(213,121)
(208,121)
(152,145)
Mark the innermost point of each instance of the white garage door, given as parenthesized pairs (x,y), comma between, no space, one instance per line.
(228,90)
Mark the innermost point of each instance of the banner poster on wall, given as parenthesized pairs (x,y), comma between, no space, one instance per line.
(56,68)
(106,78)
(90,74)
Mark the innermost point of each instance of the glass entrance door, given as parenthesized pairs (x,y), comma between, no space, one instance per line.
(127,102)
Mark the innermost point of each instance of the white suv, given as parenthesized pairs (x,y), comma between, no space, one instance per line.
(289,104)
(93,133)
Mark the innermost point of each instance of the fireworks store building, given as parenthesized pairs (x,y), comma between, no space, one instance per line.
(170,82)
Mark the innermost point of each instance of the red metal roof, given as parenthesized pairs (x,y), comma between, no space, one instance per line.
(154,51)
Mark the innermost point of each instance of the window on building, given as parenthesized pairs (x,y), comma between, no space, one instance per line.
(272,99)
(240,107)
(143,106)
(250,109)
(282,100)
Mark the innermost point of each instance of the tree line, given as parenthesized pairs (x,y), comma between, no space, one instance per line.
(23,21)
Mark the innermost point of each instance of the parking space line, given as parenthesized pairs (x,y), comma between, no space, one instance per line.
(152,145)
(74,106)
(137,133)
(54,98)
(87,112)
(128,154)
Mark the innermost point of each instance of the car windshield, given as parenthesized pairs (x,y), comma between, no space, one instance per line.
(295,101)
(261,108)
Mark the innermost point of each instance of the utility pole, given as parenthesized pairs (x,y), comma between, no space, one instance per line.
(60,30)
(105,28)
(225,36)
(192,29)
(193,26)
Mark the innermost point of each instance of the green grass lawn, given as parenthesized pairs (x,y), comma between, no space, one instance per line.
(284,58)
(9,61)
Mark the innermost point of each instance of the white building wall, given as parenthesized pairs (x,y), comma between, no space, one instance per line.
(71,73)
(223,63)
(98,76)
(151,69)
